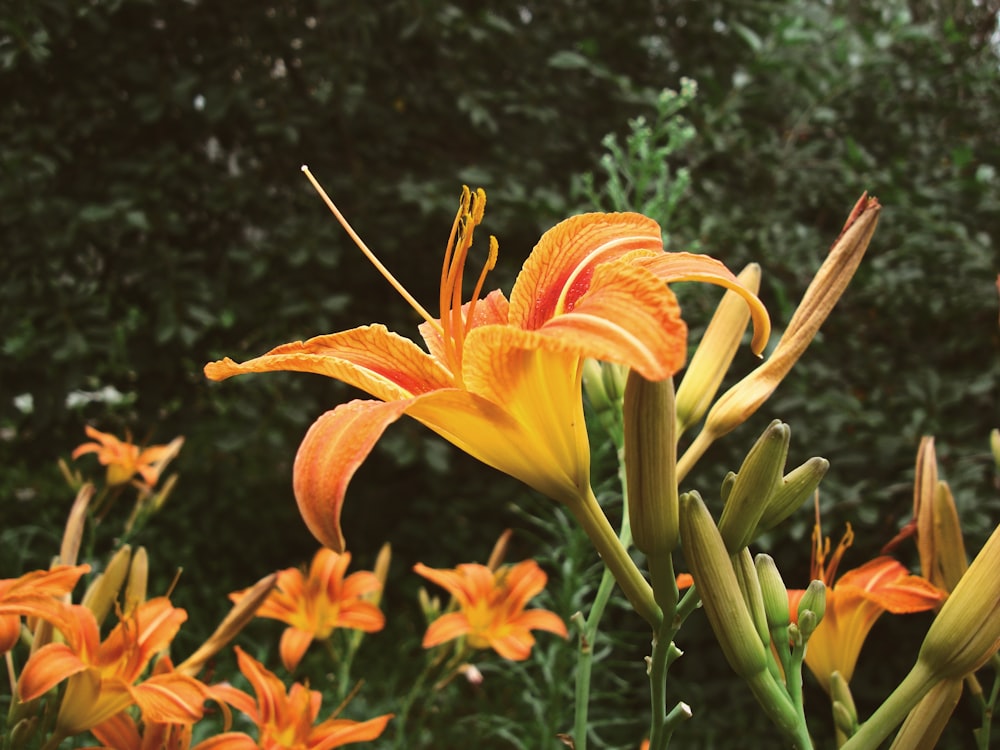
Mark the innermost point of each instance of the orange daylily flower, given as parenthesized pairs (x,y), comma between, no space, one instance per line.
(122,732)
(124,459)
(491,608)
(36,594)
(501,379)
(854,602)
(285,719)
(313,606)
(103,675)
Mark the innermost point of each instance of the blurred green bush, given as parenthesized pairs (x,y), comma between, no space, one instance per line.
(154,219)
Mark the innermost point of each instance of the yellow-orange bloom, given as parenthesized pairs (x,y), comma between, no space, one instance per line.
(124,459)
(491,608)
(854,603)
(314,606)
(36,594)
(285,719)
(501,379)
(103,676)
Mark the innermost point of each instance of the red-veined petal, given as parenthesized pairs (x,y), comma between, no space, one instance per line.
(46,668)
(673,267)
(371,358)
(333,449)
(171,697)
(560,267)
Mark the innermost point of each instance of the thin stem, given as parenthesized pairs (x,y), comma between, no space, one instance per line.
(588,635)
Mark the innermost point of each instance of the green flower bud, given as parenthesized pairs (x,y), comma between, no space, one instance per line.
(756,480)
(773,591)
(840,694)
(812,607)
(843,720)
(746,577)
(650,464)
(593,385)
(727,486)
(796,487)
(721,597)
(966,632)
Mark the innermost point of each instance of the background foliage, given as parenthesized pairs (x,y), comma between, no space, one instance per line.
(154,218)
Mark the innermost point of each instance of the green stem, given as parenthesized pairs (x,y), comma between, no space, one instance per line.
(615,556)
(891,713)
(588,635)
(988,707)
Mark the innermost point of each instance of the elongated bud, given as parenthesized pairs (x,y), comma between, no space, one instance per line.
(926,721)
(924,487)
(756,481)
(499,551)
(70,548)
(743,399)
(995,447)
(774,593)
(952,560)
(797,486)
(845,714)
(715,352)
(728,482)
(241,613)
(746,577)
(708,559)
(138,577)
(966,632)
(650,463)
(103,591)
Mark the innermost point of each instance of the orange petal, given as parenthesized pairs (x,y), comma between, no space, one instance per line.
(46,668)
(453,581)
(888,584)
(171,698)
(686,581)
(515,645)
(228,741)
(671,267)
(333,449)
(626,316)
(336,732)
(371,358)
(446,628)
(361,616)
(294,644)
(524,582)
(542,619)
(119,732)
(560,267)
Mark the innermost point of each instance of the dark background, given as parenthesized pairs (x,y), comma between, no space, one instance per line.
(154,218)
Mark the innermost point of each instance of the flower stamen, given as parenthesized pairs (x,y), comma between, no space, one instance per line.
(368,253)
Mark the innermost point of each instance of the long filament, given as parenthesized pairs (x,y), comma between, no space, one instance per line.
(368,253)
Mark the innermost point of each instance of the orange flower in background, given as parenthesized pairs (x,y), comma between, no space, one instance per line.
(854,603)
(285,719)
(103,676)
(125,459)
(36,594)
(501,379)
(491,608)
(315,605)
